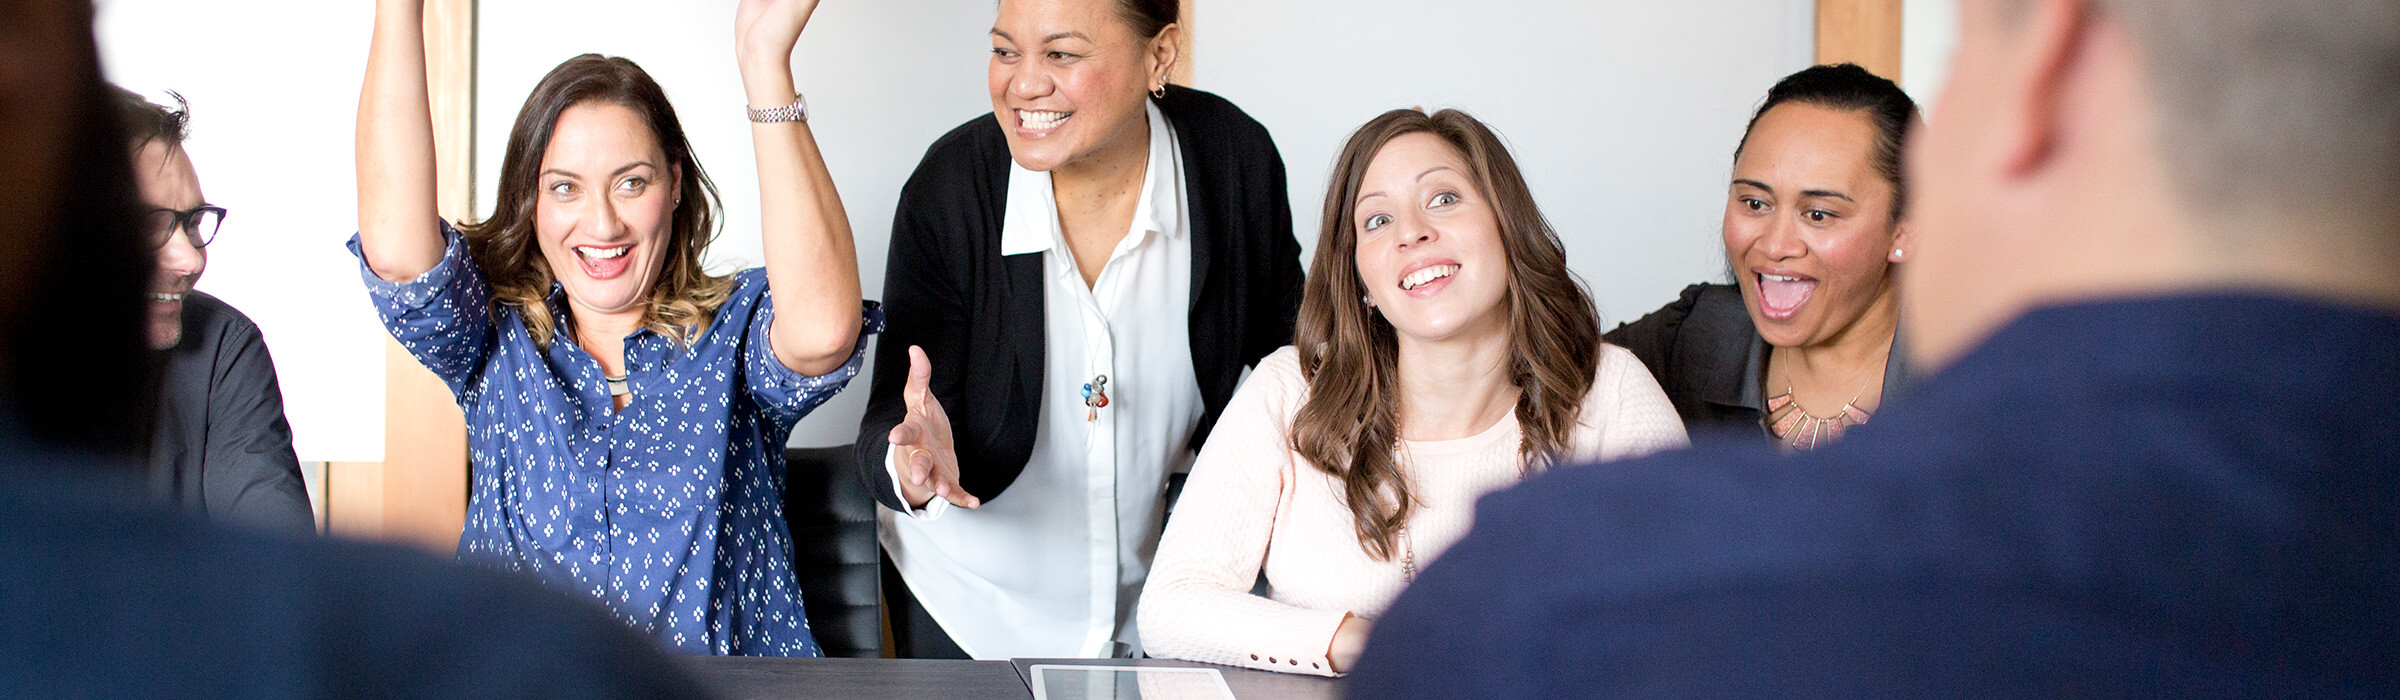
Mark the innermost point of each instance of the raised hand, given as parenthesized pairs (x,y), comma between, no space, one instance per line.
(928,462)
(812,262)
(766,30)
(396,229)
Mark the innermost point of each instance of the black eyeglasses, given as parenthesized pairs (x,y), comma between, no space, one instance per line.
(199,224)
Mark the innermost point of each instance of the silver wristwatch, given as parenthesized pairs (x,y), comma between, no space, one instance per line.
(797,111)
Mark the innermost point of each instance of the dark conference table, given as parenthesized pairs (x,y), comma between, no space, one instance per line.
(745,678)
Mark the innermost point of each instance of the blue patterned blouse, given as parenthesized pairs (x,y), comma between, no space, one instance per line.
(670,511)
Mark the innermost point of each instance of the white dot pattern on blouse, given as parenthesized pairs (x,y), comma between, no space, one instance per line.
(669,511)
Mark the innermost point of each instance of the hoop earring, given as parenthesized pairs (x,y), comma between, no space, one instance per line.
(1159,92)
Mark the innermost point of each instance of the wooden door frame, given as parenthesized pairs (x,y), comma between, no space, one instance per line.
(418,494)
(1865,32)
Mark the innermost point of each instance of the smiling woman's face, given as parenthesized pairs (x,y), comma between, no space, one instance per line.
(1068,79)
(606,205)
(1429,251)
(1808,223)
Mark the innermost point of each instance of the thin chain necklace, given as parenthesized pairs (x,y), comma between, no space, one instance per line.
(1408,547)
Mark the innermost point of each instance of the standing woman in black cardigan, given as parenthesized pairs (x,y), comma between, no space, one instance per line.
(1076,282)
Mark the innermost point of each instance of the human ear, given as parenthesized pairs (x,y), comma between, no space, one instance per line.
(1904,239)
(2052,36)
(1165,50)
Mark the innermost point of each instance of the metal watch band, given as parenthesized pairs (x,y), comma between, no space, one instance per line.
(797,111)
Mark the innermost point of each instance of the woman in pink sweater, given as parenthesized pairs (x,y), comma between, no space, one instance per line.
(1443,351)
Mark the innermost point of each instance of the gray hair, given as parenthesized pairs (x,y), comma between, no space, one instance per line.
(2277,108)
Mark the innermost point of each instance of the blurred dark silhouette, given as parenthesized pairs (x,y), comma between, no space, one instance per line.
(103,596)
(73,353)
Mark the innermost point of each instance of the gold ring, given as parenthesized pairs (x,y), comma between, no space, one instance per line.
(912,455)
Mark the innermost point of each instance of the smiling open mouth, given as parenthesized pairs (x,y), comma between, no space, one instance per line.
(1426,276)
(1781,296)
(1038,120)
(166,296)
(603,263)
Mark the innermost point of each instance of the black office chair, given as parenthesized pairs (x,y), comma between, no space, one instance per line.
(834,552)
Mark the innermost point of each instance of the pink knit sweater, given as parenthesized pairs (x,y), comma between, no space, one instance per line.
(1253,505)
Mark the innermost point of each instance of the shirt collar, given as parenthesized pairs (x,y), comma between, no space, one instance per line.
(1030,224)
(560,321)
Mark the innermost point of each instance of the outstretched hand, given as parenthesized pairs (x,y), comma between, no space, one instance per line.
(927,459)
(766,30)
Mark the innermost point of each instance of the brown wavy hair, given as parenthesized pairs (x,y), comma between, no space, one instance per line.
(1350,425)
(505,247)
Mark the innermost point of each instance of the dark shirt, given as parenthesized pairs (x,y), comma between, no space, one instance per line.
(1711,361)
(2172,497)
(221,447)
(978,314)
(106,599)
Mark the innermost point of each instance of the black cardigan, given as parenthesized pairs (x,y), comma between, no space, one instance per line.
(978,314)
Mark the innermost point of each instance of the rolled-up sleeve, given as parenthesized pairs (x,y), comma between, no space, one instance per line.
(787,395)
(443,317)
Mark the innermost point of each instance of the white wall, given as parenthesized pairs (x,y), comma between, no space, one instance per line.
(1623,113)
(1928,38)
(274,92)
(883,78)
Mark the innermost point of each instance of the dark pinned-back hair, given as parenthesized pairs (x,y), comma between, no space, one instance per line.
(1850,88)
(1149,17)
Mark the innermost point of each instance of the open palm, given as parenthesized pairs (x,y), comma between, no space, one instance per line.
(928,460)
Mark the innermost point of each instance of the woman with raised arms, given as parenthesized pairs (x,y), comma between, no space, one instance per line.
(626,410)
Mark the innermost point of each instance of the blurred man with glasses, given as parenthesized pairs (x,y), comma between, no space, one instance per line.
(221,446)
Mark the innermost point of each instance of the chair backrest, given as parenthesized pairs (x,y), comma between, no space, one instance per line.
(834,552)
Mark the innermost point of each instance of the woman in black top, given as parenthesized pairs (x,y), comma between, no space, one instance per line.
(1040,259)
(1803,345)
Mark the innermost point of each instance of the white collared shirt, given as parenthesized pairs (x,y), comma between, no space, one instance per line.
(1053,566)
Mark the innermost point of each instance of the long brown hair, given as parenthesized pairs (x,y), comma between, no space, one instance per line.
(1350,425)
(508,252)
